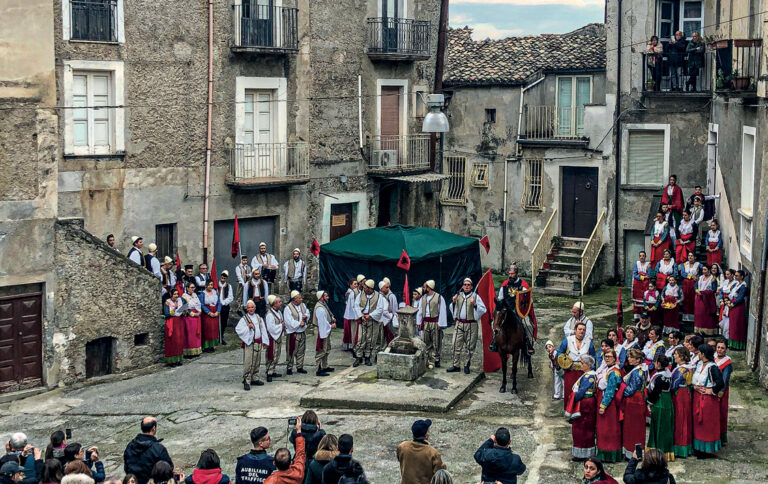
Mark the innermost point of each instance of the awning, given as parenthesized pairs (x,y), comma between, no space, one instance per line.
(418,178)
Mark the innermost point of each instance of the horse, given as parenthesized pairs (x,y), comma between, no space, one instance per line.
(510,341)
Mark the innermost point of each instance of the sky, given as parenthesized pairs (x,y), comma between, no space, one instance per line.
(497,19)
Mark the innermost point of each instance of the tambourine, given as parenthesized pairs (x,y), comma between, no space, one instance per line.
(564,361)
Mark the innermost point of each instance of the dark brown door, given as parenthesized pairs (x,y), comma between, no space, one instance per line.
(21,350)
(579,204)
(390,111)
(341,219)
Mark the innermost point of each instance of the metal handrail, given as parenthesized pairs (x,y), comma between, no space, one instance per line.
(540,249)
(265,27)
(592,250)
(93,20)
(269,161)
(392,153)
(554,122)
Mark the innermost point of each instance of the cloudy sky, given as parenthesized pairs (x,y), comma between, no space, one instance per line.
(501,18)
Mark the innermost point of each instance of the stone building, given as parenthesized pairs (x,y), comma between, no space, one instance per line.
(527,151)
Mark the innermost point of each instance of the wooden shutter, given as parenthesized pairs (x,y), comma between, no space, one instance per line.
(645,165)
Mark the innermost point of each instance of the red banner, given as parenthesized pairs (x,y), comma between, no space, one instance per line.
(236,239)
(404,262)
(214,277)
(406,292)
(487,292)
(486,243)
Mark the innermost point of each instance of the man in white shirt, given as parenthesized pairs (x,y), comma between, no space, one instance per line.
(434,316)
(275,328)
(266,263)
(135,253)
(467,308)
(243,274)
(325,322)
(370,308)
(251,330)
(227,295)
(296,317)
(202,277)
(152,263)
(388,319)
(577,316)
(295,271)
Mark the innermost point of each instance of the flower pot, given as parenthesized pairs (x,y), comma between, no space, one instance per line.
(740,83)
(649,85)
(550,257)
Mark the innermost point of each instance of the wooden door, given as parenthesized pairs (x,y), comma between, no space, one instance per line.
(579,201)
(21,350)
(341,219)
(390,119)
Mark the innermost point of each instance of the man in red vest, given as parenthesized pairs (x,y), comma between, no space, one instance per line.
(512,289)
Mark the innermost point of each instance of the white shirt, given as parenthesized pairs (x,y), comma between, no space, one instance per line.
(259,261)
(658,228)
(274,323)
(480,308)
(349,307)
(135,255)
(243,272)
(390,315)
(569,332)
(155,266)
(667,267)
(231,297)
(442,316)
(323,321)
(250,335)
(300,272)
(293,325)
(685,227)
(376,313)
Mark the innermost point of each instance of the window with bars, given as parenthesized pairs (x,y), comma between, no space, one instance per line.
(479,177)
(454,191)
(94,20)
(532,189)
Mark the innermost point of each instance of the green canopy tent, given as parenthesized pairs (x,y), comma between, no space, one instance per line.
(435,254)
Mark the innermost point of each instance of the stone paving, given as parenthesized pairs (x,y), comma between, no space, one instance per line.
(202,405)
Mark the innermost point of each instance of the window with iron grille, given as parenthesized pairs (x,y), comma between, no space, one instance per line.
(165,239)
(454,190)
(490,115)
(94,20)
(532,190)
(480,175)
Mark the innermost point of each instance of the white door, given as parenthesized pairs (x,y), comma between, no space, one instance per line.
(260,153)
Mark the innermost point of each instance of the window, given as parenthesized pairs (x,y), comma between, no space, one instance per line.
(647,156)
(691,17)
(261,121)
(480,175)
(666,20)
(165,239)
(490,115)
(747,188)
(91,128)
(572,94)
(532,189)
(93,20)
(454,191)
(420,101)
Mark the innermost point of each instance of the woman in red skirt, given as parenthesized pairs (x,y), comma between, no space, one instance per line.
(681,399)
(707,383)
(705,307)
(583,421)
(651,305)
(664,268)
(640,275)
(737,315)
(192,310)
(686,237)
(671,300)
(633,404)
(659,239)
(723,362)
(210,320)
(714,244)
(609,397)
(174,329)
(689,273)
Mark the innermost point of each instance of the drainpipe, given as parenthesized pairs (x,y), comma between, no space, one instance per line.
(616,273)
(760,298)
(208,133)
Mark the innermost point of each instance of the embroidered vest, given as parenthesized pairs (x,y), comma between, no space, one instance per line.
(374,301)
(460,302)
(292,267)
(434,307)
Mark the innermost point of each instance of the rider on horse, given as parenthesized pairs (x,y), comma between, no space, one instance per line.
(515,295)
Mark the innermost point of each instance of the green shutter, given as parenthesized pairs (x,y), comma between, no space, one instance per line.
(646,158)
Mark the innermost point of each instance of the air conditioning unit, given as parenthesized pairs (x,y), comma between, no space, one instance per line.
(384,159)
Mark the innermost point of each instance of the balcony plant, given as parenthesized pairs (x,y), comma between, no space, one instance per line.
(739,82)
(650,84)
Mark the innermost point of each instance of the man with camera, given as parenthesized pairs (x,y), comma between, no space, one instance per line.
(286,472)
(28,458)
(143,452)
(498,462)
(255,466)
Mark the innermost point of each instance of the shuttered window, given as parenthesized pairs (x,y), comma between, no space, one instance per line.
(645,164)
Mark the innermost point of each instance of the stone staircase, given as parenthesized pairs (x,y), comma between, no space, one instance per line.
(561,274)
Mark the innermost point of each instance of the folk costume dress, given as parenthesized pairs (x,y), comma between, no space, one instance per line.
(680,388)
(651,303)
(651,350)
(723,300)
(351,323)
(737,317)
(664,269)
(575,349)
(686,239)
(608,427)
(633,410)
(714,243)
(640,275)
(661,434)
(257,290)
(706,408)
(174,331)
(690,275)
(583,422)
(660,241)
(672,195)
(274,326)
(726,369)
(210,324)
(705,306)
(672,298)
(192,330)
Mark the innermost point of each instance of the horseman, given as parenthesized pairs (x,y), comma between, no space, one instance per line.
(515,295)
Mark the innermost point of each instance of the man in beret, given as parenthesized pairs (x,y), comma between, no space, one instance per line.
(370,307)
(418,459)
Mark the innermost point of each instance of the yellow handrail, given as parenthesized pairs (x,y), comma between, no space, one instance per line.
(591,251)
(541,249)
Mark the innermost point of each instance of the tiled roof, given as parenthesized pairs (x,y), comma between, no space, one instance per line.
(514,59)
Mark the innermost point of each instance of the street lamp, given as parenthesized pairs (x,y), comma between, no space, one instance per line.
(436,122)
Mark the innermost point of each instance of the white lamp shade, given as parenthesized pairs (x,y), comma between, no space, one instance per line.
(435,122)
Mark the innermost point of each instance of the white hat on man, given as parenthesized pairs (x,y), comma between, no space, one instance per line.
(320,294)
(431,284)
(370,283)
(295,294)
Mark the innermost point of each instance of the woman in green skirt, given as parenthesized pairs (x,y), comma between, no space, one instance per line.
(661,435)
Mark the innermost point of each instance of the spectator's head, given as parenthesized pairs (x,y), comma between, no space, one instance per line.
(441,477)
(73,451)
(208,460)
(77,479)
(110,242)
(161,472)
(329,442)
(12,470)
(112,480)
(654,461)
(17,442)
(129,479)
(310,418)
(346,444)
(77,467)
(420,429)
(58,439)
(149,424)
(593,467)
(282,459)
(502,437)
(260,438)
(678,35)
(52,471)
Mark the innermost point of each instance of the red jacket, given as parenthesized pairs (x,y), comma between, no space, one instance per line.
(295,473)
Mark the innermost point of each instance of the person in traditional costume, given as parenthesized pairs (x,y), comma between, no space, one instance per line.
(296,317)
(689,273)
(672,299)
(697,217)
(349,336)
(724,363)
(660,435)
(275,328)
(707,383)
(686,238)
(665,268)
(714,244)
(557,372)
(723,293)
(717,273)
(174,329)
(621,352)
(135,254)
(243,274)
(672,195)
(640,275)
(605,344)
(434,315)
(578,316)
(674,341)
(151,262)
(467,307)
(608,428)
(705,307)
(167,276)
(692,343)
(257,290)
(633,405)
(267,264)
(369,307)
(569,354)
(202,278)
(660,240)
(513,292)
(323,319)
(252,330)
(389,322)
(210,319)
(653,347)
(680,388)
(737,313)
(295,271)
(416,303)
(226,295)
(192,309)
(630,341)
(651,305)
(582,411)
(672,222)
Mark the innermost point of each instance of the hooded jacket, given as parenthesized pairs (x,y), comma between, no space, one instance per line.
(141,454)
(343,465)
(207,476)
(418,461)
(316,466)
(498,463)
(312,436)
(633,475)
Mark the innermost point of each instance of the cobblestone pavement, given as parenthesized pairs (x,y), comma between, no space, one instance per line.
(202,405)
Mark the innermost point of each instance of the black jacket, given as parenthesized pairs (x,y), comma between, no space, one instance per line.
(498,463)
(316,466)
(343,465)
(312,436)
(633,475)
(676,52)
(141,454)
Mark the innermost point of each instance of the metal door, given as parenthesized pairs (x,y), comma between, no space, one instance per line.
(252,232)
(21,350)
(579,203)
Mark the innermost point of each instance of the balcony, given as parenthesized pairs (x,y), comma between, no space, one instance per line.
(398,39)
(553,124)
(667,76)
(738,64)
(265,165)
(261,29)
(93,20)
(398,154)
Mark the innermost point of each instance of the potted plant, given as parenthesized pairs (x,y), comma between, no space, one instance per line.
(557,242)
(720,82)
(739,82)
(650,84)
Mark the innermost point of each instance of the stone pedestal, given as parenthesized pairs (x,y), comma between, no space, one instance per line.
(404,358)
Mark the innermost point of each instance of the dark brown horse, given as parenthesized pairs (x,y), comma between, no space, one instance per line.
(510,341)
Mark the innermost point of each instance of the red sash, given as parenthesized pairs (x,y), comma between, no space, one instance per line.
(319,343)
(291,343)
(271,349)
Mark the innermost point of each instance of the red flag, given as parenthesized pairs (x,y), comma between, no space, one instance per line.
(214,278)
(314,249)
(404,262)
(406,292)
(178,262)
(486,243)
(619,318)
(486,291)
(236,239)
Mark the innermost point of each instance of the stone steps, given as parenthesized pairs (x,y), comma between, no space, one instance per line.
(561,275)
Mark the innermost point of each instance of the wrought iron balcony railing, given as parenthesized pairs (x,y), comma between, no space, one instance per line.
(266,29)
(398,38)
(553,122)
(94,20)
(667,73)
(398,153)
(269,163)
